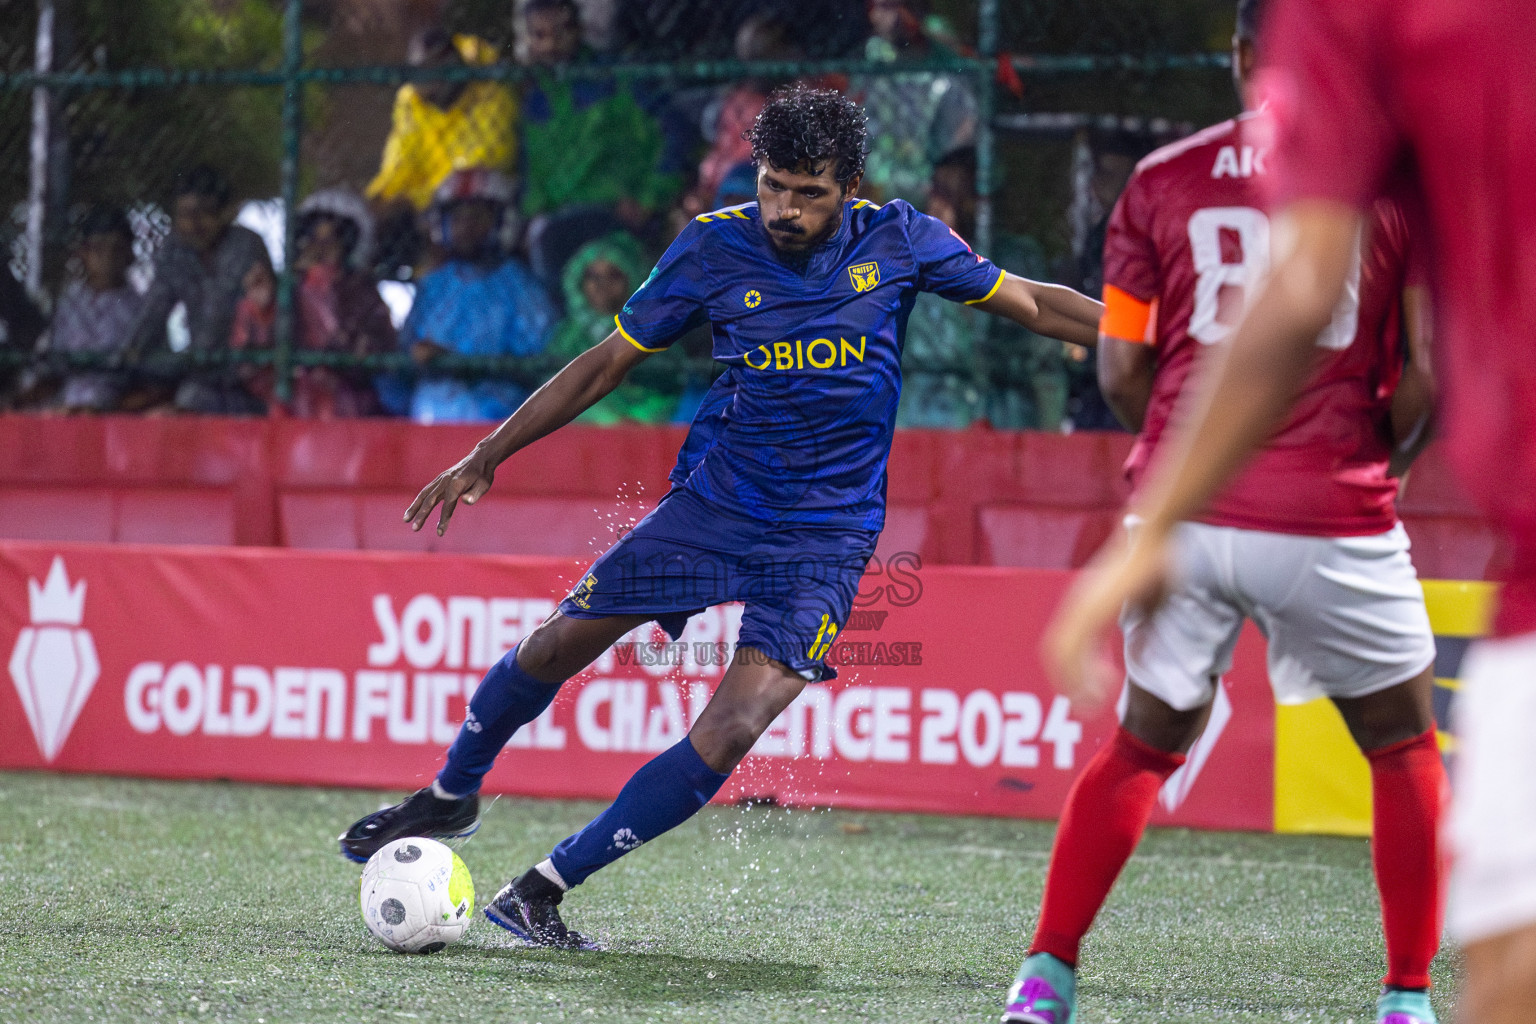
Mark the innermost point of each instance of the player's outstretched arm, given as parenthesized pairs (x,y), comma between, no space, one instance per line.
(1049,309)
(566,395)
(1241,396)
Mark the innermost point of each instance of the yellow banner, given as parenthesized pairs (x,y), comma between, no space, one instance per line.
(1322,782)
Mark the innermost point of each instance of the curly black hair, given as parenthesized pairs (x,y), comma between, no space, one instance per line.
(808,129)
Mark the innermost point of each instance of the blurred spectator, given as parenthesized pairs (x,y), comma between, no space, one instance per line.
(762,36)
(599,24)
(1114,155)
(439,127)
(549,33)
(765,35)
(1015,381)
(598,280)
(337,307)
(739,186)
(97,311)
(202,266)
(591,152)
(478,303)
(913,120)
(21,322)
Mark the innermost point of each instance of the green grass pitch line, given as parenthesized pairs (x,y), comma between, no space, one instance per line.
(124,900)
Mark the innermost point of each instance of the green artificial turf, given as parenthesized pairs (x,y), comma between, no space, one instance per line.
(124,900)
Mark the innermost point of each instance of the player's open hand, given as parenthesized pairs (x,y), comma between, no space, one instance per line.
(469,480)
(1137,570)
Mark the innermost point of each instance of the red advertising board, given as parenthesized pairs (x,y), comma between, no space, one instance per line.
(354,669)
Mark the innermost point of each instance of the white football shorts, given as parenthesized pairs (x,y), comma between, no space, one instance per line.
(1492,827)
(1344,616)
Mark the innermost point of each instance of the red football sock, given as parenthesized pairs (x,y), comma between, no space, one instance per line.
(1106,812)
(1408,791)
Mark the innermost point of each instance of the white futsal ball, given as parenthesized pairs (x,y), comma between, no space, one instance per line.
(417,896)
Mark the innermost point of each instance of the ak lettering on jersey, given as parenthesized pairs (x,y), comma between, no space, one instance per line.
(799,426)
(1238,162)
(1189,238)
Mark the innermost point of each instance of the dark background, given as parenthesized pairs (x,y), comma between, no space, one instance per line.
(125,143)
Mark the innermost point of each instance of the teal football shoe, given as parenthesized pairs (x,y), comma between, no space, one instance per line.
(1397,1006)
(1045,992)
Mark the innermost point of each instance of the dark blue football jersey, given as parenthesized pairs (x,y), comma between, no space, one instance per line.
(798,428)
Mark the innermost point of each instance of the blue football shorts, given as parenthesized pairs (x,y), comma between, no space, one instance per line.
(797,581)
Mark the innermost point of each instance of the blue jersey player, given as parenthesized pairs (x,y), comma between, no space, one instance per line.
(779,491)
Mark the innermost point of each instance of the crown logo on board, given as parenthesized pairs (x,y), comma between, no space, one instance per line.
(56,602)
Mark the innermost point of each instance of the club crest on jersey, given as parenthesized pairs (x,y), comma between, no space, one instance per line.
(581,597)
(753,299)
(865,276)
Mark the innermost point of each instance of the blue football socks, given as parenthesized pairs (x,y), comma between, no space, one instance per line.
(508,698)
(663,794)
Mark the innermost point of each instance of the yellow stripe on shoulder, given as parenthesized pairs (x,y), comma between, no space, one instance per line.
(729,212)
(995,286)
(630,338)
(859,204)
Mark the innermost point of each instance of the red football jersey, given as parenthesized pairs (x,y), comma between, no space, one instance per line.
(1437,97)
(1190,234)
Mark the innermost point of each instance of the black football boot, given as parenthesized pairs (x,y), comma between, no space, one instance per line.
(422,814)
(528,907)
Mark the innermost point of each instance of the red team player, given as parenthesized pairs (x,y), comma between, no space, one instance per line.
(1433,99)
(1305,542)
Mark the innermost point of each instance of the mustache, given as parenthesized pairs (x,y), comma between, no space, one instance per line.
(787,227)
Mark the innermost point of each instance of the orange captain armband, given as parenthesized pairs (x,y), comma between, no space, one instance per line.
(1126,317)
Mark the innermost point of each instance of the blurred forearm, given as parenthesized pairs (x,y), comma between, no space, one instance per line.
(569,393)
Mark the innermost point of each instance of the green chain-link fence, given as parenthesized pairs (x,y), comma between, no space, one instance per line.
(256,87)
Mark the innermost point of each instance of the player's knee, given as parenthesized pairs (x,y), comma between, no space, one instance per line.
(725,740)
(1387,717)
(1380,735)
(539,654)
(1161,726)
(737,736)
